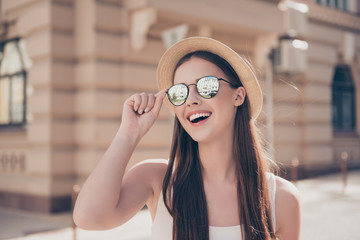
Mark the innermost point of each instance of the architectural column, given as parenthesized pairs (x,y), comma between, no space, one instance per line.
(108,71)
(317,132)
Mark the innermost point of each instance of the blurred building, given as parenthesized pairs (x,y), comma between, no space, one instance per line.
(66,67)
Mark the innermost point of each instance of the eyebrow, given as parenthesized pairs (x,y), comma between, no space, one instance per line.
(197,79)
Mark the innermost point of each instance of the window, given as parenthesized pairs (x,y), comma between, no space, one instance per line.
(343,100)
(12,83)
(339,4)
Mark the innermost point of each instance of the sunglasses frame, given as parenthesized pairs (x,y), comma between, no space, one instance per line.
(197,90)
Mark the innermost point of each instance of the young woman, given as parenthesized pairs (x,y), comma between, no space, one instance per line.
(216,183)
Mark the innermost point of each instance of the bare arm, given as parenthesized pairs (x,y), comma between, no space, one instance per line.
(288,211)
(105,200)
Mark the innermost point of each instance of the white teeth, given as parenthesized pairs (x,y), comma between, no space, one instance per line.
(197,115)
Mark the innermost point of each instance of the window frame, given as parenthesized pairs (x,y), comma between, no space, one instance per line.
(338,4)
(23,74)
(339,91)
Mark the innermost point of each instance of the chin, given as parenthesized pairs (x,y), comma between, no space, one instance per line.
(200,137)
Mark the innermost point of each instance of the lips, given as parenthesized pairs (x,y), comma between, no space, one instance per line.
(195,117)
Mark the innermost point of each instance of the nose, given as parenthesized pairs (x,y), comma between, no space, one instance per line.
(193,97)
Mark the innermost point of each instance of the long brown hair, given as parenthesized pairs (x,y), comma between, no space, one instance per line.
(183,189)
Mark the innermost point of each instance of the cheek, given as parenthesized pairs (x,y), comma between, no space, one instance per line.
(224,99)
(179,113)
(226,111)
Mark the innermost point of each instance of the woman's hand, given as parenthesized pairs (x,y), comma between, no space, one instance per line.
(140,112)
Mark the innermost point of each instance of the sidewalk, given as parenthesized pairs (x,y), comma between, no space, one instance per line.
(328,213)
(27,226)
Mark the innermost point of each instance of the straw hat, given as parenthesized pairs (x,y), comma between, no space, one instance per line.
(172,56)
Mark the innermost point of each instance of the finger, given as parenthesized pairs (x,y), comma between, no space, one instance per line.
(150,104)
(161,93)
(144,102)
(158,101)
(137,101)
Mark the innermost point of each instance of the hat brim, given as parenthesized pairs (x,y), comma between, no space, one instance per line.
(172,56)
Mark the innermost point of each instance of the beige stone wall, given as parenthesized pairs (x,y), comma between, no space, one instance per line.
(107,72)
(302,112)
(304,127)
(84,65)
(47,28)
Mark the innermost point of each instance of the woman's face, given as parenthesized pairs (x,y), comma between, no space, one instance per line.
(207,119)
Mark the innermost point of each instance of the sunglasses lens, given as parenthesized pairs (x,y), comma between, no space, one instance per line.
(208,87)
(177,94)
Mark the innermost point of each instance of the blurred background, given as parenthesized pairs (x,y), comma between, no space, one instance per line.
(66,67)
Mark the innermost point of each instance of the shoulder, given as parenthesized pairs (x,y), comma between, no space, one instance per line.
(287,205)
(155,164)
(150,171)
(285,190)
(150,168)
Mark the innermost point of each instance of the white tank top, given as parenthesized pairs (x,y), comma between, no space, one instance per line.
(162,225)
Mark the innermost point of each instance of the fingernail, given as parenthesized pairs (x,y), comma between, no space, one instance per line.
(147,109)
(140,111)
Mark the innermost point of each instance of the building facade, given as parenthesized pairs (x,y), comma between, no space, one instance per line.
(66,67)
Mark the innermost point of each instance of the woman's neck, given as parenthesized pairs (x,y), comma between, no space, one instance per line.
(217,160)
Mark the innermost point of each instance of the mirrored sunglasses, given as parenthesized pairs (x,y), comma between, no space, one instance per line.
(207,87)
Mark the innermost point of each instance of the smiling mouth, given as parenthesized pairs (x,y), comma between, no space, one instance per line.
(195,118)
